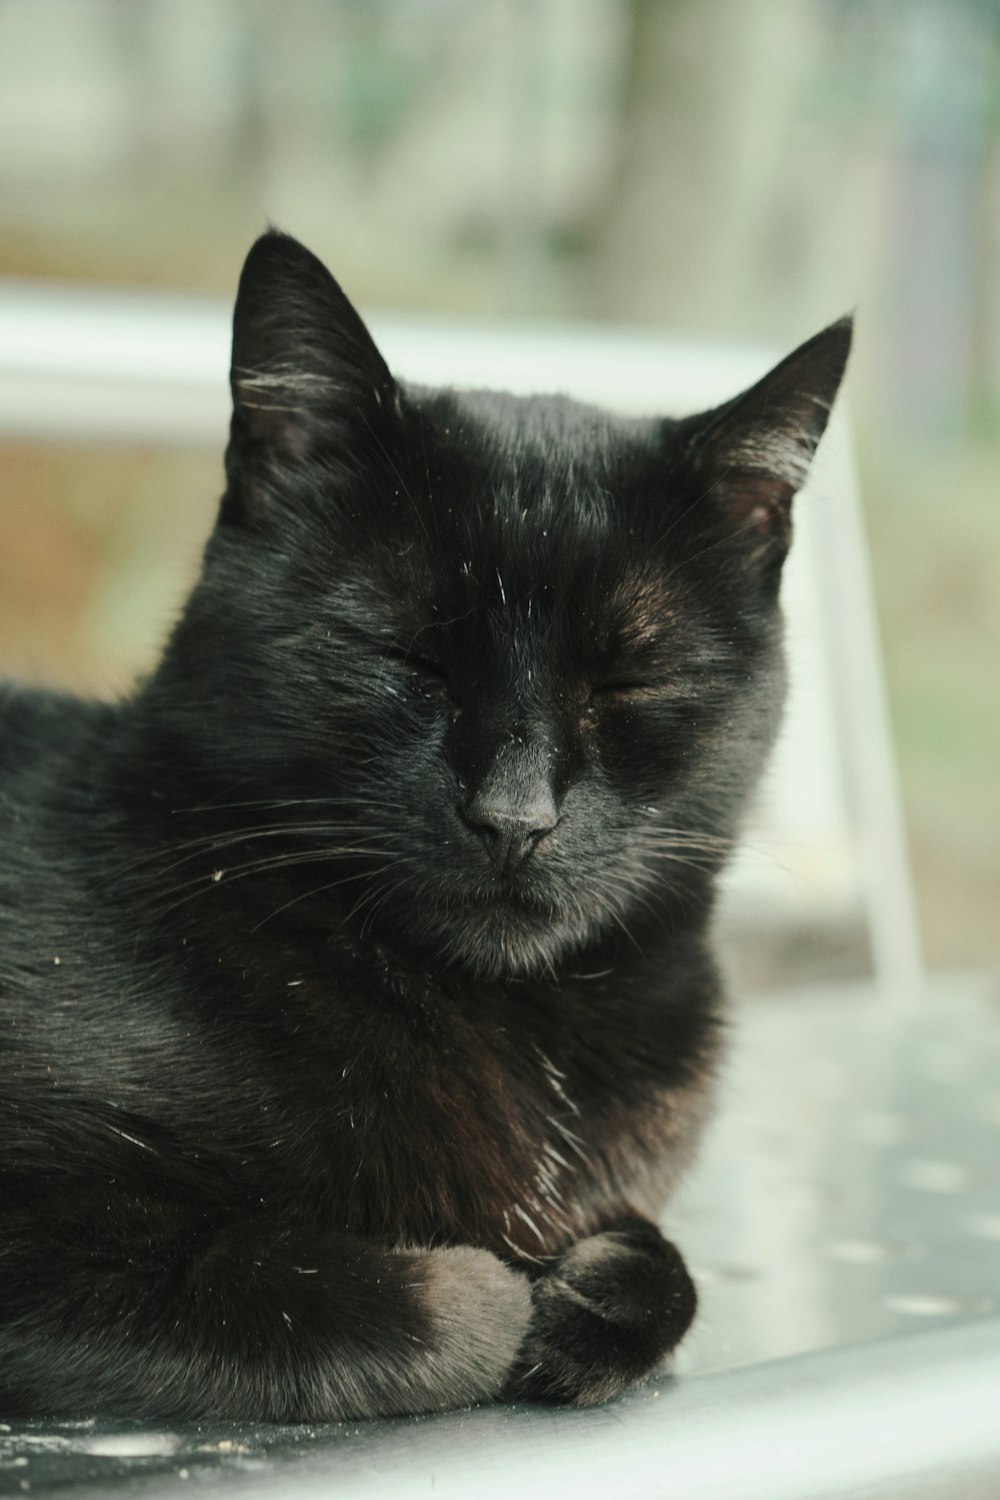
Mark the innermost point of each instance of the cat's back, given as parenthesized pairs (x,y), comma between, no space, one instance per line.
(38,726)
(50,800)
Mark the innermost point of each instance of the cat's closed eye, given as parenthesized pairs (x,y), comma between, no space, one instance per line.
(428,675)
(624,687)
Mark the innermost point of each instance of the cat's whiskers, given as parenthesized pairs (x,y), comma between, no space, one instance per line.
(213,841)
(328,886)
(706,865)
(227,838)
(377,900)
(616,894)
(615,908)
(384,888)
(683,846)
(231,873)
(277,803)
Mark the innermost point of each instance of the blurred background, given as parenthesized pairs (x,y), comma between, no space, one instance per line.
(741,169)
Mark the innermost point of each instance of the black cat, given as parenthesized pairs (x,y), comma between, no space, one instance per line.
(357,1008)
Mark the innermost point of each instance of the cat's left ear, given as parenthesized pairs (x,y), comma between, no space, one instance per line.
(751,455)
(305,370)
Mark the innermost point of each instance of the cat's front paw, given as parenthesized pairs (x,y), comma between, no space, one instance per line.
(603,1317)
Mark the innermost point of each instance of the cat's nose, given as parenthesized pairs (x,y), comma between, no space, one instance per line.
(511,830)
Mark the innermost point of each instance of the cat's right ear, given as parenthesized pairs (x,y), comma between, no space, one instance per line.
(306,374)
(749,457)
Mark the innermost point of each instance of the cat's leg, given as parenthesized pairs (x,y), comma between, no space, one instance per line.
(253,1324)
(605,1315)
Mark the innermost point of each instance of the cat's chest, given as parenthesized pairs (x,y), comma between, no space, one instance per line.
(426,1114)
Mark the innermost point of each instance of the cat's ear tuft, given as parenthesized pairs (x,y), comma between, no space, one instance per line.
(753,454)
(305,370)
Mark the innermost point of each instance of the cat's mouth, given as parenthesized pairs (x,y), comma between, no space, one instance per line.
(505,930)
(506,899)
(508,890)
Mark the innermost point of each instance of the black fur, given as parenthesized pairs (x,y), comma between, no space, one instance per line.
(357,1011)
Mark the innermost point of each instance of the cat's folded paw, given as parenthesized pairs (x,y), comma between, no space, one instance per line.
(480,1310)
(603,1317)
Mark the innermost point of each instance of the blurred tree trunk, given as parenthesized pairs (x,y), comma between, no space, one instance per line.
(696,230)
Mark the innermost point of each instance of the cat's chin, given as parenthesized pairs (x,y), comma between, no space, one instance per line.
(499,941)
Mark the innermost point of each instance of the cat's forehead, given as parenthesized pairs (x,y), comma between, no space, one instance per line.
(517,511)
(528,478)
(541,421)
(530,444)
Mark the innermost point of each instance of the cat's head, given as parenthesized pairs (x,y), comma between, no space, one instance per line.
(521,656)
